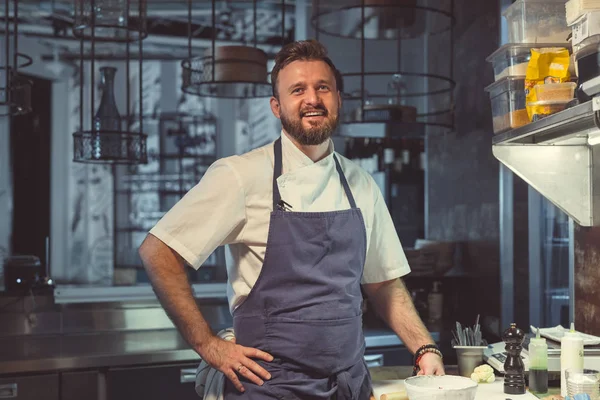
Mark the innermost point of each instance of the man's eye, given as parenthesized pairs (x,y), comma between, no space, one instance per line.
(323,87)
(297,90)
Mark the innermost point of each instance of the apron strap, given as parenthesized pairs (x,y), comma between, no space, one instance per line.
(277,173)
(344,183)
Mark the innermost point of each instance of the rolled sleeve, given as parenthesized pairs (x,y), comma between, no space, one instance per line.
(211,214)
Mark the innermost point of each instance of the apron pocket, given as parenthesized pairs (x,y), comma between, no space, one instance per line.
(322,346)
(286,384)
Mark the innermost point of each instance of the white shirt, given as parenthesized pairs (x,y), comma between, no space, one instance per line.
(231,205)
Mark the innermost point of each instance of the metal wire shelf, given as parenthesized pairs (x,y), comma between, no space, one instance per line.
(387,19)
(18,101)
(197,79)
(15,95)
(229,71)
(110,147)
(109,20)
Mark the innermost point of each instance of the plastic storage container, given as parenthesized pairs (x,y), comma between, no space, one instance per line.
(510,60)
(587,64)
(586,43)
(555,91)
(507,97)
(537,21)
(545,108)
(585,27)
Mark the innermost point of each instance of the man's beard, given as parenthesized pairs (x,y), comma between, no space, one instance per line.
(314,135)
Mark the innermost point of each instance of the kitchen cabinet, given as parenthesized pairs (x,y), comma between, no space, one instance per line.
(32,387)
(163,382)
(79,385)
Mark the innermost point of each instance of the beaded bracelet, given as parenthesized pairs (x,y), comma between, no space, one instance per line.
(428,348)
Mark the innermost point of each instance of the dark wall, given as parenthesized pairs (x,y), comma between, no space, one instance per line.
(587,279)
(30,154)
(463,198)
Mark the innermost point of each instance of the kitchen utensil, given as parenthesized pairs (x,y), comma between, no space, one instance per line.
(468,336)
(388,387)
(394,396)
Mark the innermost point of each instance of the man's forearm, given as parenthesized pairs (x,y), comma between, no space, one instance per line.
(169,280)
(394,304)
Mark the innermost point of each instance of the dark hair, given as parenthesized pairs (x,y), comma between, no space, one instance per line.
(305,50)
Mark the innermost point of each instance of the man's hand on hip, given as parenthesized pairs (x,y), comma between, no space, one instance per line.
(233,360)
(431,364)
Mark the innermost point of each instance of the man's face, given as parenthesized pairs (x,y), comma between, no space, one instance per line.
(309,102)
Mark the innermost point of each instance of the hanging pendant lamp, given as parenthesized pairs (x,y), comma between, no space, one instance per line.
(233,71)
(15,94)
(114,137)
(405,93)
(110,20)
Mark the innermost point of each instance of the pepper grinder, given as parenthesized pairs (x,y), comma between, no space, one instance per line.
(514,378)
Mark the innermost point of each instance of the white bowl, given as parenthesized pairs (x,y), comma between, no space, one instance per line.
(447,387)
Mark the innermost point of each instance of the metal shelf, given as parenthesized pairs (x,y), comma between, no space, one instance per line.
(391,129)
(96,294)
(576,122)
(558,156)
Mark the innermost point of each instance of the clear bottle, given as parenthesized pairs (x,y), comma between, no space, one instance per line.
(538,364)
(571,356)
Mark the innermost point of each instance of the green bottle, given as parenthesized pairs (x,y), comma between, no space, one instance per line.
(538,364)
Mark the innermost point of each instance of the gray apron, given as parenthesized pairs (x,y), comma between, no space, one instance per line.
(305,308)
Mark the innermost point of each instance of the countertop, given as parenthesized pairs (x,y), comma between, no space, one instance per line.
(392,378)
(21,354)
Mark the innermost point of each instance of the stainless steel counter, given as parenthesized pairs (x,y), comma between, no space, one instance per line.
(21,354)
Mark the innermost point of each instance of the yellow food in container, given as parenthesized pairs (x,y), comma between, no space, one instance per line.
(544,108)
(555,91)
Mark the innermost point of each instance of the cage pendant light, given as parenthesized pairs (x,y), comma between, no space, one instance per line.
(111,138)
(15,90)
(233,71)
(407,93)
(110,20)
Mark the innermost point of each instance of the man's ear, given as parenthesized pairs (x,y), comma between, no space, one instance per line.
(275,107)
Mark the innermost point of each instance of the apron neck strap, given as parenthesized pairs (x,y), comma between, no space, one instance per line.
(344,183)
(277,173)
